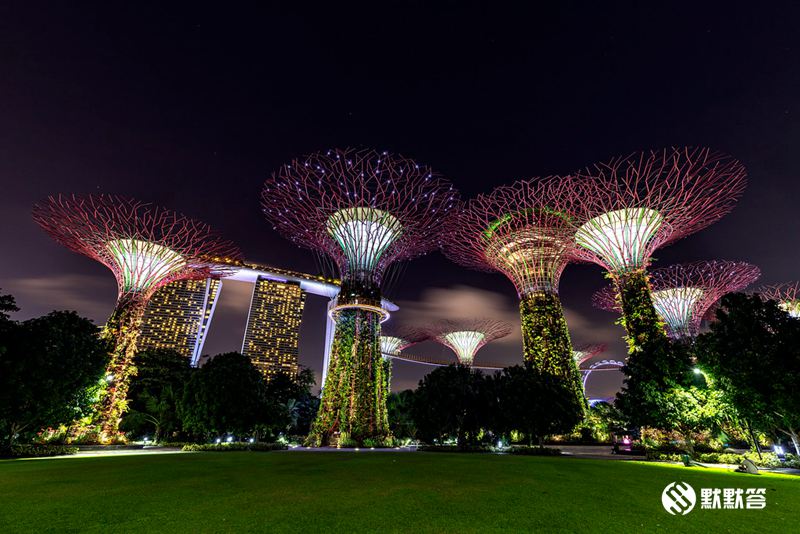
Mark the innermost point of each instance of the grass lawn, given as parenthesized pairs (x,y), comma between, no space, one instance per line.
(370,492)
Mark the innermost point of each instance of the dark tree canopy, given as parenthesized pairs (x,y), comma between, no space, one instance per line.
(155,392)
(50,370)
(226,395)
(401,420)
(536,403)
(451,402)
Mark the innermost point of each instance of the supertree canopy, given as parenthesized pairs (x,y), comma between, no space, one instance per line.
(146,247)
(466,337)
(633,205)
(393,342)
(365,210)
(587,352)
(526,231)
(787,296)
(396,340)
(683,294)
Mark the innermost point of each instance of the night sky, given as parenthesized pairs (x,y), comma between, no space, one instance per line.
(193,107)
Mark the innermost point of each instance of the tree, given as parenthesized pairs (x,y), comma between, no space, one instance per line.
(536,403)
(226,395)
(155,392)
(294,407)
(654,370)
(50,372)
(753,353)
(451,402)
(401,420)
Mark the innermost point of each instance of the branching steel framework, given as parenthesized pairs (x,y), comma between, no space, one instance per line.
(587,352)
(787,296)
(467,337)
(527,231)
(683,294)
(635,204)
(146,247)
(365,210)
(393,342)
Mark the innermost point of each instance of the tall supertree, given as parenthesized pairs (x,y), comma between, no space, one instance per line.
(365,210)
(683,294)
(787,295)
(146,247)
(466,337)
(633,205)
(525,231)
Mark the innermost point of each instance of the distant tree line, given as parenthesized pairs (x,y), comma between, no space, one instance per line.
(739,381)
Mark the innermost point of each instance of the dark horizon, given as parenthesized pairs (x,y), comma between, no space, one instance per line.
(192,107)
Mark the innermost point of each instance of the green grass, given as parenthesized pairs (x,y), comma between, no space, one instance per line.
(370,492)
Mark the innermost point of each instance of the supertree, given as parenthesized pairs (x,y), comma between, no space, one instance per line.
(393,342)
(683,294)
(587,352)
(635,204)
(787,295)
(466,337)
(365,210)
(146,247)
(525,231)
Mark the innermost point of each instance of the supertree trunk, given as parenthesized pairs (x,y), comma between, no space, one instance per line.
(639,316)
(122,331)
(354,395)
(545,338)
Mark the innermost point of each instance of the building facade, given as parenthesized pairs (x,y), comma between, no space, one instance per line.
(273,326)
(178,316)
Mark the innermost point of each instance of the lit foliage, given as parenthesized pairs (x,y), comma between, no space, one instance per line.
(146,247)
(354,398)
(639,317)
(753,353)
(466,337)
(683,294)
(545,339)
(786,295)
(365,210)
(50,367)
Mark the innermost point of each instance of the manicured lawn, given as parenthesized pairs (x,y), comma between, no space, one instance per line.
(369,492)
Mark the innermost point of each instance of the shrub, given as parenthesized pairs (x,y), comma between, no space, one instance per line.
(533,451)
(39,451)
(231,447)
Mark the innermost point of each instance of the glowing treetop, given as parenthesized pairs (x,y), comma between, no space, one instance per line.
(587,352)
(393,342)
(466,337)
(787,295)
(145,246)
(635,204)
(683,294)
(364,209)
(522,230)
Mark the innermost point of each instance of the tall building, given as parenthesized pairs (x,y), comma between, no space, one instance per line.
(273,326)
(178,315)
